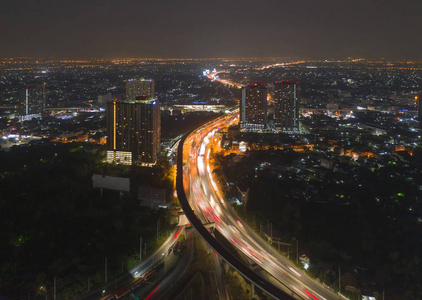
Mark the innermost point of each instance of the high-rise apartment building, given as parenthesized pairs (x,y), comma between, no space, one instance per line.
(33,100)
(253,107)
(134,128)
(286,105)
(139,87)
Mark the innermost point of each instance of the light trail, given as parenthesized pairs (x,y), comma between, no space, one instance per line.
(153,292)
(205,199)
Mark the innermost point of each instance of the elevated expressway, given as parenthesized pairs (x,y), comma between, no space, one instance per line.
(203,202)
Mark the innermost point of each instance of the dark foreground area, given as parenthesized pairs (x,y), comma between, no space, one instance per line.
(55,225)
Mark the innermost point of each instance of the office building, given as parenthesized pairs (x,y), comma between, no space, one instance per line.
(286,105)
(134,128)
(139,87)
(32,100)
(253,107)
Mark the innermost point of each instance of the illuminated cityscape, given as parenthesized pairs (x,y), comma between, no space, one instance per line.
(210,150)
(323,147)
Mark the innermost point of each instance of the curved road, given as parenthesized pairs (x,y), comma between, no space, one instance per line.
(208,202)
(211,241)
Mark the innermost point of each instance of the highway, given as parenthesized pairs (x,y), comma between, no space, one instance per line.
(159,291)
(207,204)
(219,278)
(185,161)
(159,255)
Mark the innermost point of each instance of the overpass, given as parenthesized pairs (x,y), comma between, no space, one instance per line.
(232,260)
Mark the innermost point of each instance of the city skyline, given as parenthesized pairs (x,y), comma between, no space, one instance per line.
(210,150)
(328,29)
(343,187)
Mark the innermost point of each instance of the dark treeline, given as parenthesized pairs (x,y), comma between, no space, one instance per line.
(364,220)
(53,223)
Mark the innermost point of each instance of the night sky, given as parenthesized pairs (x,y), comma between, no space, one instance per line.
(322,29)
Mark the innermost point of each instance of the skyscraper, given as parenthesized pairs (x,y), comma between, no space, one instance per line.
(286,111)
(253,107)
(418,100)
(139,87)
(134,128)
(33,100)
